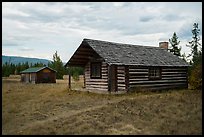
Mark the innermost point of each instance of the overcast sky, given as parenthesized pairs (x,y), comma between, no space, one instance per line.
(39,29)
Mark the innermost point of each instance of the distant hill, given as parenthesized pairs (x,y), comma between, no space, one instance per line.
(16,60)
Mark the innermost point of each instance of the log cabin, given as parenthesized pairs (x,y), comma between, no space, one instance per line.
(117,67)
(38,75)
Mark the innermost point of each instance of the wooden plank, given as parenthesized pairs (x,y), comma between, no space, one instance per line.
(88,73)
(96,80)
(155,81)
(163,78)
(121,80)
(121,71)
(121,85)
(145,73)
(139,70)
(160,88)
(104,77)
(174,69)
(97,86)
(175,75)
(140,79)
(104,65)
(97,83)
(121,75)
(98,89)
(104,71)
(159,85)
(170,78)
(173,72)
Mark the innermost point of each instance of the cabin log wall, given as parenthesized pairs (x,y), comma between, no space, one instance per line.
(171,77)
(97,84)
(121,78)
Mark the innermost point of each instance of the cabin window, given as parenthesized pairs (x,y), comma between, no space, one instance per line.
(154,73)
(96,70)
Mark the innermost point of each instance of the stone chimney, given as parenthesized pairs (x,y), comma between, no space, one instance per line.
(163,45)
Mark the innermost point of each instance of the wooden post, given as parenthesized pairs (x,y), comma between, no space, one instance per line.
(84,79)
(69,82)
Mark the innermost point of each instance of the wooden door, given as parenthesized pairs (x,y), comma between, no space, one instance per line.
(112,78)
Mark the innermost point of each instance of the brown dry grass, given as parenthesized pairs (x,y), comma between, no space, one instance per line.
(52,109)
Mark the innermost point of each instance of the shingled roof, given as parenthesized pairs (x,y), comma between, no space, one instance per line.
(127,54)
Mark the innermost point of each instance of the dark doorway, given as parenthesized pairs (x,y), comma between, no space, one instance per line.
(112,78)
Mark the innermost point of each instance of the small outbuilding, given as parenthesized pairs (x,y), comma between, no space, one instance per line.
(118,67)
(38,75)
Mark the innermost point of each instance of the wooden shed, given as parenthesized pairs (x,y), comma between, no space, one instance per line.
(116,67)
(38,75)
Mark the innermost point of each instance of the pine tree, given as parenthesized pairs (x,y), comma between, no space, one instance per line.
(194,43)
(174,44)
(6,70)
(195,70)
(57,65)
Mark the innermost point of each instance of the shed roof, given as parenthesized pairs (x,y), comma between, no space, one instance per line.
(35,69)
(127,54)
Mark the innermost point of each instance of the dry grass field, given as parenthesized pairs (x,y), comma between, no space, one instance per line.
(52,109)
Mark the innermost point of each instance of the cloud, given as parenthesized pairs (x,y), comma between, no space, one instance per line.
(26,49)
(50,26)
(9,44)
(146,18)
(172,17)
